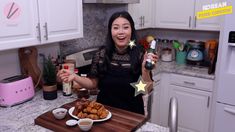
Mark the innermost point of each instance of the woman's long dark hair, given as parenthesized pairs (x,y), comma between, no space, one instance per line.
(110,45)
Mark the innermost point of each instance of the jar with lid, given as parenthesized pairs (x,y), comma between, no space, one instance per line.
(166,52)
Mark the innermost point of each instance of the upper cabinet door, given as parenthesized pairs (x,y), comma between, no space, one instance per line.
(60,20)
(174,13)
(212,23)
(142,13)
(18,23)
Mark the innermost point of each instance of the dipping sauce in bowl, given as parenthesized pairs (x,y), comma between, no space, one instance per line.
(85,124)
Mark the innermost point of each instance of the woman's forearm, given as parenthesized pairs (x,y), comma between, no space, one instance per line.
(147,78)
(86,82)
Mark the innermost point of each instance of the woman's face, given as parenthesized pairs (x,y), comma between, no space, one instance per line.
(121,32)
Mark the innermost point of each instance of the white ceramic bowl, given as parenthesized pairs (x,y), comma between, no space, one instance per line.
(59,113)
(85,124)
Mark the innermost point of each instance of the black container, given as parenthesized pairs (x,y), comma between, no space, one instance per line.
(50,92)
(50,95)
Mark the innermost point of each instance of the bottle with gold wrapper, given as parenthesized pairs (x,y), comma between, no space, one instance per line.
(149,63)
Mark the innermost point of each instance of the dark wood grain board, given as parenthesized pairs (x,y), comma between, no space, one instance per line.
(121,121)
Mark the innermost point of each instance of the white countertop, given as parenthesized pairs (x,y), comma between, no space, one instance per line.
(20,118)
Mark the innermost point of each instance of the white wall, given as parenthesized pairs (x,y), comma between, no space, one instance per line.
(9,61)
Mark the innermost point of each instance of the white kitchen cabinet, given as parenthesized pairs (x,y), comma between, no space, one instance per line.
(194,102)
(32,22)
(142,13)
(181,14)
(156,101)
(18,24)
(194,108)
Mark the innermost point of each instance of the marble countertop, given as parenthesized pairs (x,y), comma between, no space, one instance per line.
(172,67)
(20,118)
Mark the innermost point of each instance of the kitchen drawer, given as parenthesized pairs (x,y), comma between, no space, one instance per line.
(191,82)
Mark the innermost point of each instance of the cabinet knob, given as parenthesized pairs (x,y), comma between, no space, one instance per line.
(195,21)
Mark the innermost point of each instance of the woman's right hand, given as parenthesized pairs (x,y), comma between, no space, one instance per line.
(65,75)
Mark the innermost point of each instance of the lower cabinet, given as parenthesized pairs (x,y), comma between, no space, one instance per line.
(194,101)
(155,115)
(193,108)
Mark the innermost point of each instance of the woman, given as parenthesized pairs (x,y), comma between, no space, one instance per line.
(117,65)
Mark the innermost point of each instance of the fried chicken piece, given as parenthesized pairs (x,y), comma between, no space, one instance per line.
(97,105)
(104,114)
(93,116)
(99,112)
(82,115)
(93,111)
(89,109)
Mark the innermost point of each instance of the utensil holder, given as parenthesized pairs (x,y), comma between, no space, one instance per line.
(181,57)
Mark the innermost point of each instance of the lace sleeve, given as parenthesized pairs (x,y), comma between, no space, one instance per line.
(94,65)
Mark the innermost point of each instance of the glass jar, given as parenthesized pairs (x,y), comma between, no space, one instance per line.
(166,52)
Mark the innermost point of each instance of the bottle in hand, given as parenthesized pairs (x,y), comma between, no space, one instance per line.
(67,86)
(149,63)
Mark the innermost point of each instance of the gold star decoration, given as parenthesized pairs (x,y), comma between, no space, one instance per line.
(132,43)
(140,86)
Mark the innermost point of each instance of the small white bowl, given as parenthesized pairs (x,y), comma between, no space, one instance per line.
(59,113)
(71,122)
(85,124)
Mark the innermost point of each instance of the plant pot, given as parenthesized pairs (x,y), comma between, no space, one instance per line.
(49,92)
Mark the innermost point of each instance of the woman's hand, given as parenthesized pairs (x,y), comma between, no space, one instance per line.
(153,57)
(65,75)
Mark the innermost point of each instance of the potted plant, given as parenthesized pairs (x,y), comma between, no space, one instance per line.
(49,78)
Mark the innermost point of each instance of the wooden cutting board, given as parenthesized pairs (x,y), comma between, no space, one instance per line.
(121,121)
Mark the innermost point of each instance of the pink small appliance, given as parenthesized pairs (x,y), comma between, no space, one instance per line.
(15,90)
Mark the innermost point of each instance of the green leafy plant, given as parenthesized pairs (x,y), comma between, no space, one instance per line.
(49,70)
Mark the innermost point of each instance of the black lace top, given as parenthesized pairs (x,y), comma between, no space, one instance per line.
(114,84)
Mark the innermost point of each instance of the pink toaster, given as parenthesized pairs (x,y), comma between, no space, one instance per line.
(15,90)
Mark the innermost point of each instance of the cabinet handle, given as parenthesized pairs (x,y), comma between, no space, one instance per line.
(229,110)
(189,24)
(195,21)
(46,31)
(39,31)
(189,83)
(208,101)
(143,21)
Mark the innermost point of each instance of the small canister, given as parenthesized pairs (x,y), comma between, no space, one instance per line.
(166,52)
(83,93)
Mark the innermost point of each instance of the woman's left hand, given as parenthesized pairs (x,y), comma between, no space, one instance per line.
(153,57)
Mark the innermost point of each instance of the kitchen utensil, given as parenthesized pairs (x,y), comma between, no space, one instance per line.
(181,47)
(176,45)
(15,90)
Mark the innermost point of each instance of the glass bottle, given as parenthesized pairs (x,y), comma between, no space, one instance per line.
(67,86)
(149,63)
